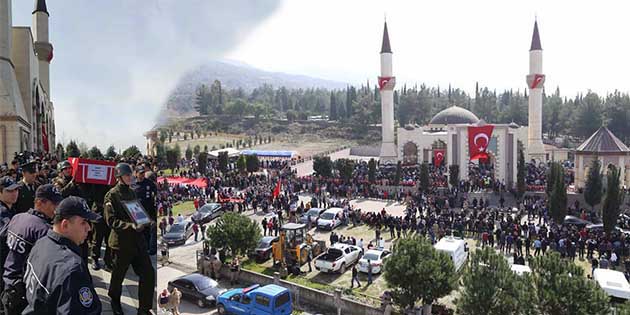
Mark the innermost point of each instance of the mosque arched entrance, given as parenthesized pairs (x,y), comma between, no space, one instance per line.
(410,153)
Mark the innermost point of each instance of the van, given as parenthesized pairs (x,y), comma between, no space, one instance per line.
(456,248)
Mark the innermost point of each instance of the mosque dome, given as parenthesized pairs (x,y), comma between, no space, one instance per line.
(454,115)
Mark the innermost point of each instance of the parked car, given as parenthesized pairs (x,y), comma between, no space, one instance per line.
(263,249)
(179,233)
(197,288)
(256,300)
(338,257)
(376,258)
(329,220)
(571,220)
(314,213)
(207,213)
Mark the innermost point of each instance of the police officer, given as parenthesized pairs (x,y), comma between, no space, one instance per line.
(8,196)
(146,190)
(128,244)
(100,230)
(56,278)
(22,233)
(26,198)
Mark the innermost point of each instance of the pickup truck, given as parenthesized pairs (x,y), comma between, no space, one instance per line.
(256,300)
(338,257)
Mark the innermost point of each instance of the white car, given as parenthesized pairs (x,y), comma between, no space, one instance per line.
(329,220)
(338,257)
(377,259)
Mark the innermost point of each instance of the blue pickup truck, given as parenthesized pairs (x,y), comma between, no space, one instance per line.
(256,300)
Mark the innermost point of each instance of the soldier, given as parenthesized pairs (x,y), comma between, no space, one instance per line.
(57,280)
(64,177)
(26,198)
(22,233)
(129,247)
(146,190)
(8,196)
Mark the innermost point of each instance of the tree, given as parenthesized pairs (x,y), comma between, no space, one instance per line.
(561,288)
(322,165)
(189,153)
(520,175)
(172,156)
(196,150)
(398,173)
(593,189)
(202,162)
(61,154)
(453,175)
(132,152)
(490,287)
(424,177)
(160,153)
(223,161)
(241,164)
(552,174)
(72,149)
(558,199)
(613,200)
(111,153)
(345,168)
(203,100)
(252,163)
(333,106)
(372,170)
(95,153)
(291,115)
(234,233)
(432,271)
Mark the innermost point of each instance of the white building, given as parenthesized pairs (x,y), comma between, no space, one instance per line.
(26,112)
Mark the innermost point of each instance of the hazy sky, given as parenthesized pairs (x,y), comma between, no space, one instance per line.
(116,60)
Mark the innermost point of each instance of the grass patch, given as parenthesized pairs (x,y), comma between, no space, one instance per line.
(185,208)
(251,265)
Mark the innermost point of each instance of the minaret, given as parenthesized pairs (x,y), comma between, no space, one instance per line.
(43,48)
(535,81)
(386,83)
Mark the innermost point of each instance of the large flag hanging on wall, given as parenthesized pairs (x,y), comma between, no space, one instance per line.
(478,141)
(438,157)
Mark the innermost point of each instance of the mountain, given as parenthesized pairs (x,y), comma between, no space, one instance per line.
(235,74)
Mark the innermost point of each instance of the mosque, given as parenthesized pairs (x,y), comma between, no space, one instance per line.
(456,136)
(27,120)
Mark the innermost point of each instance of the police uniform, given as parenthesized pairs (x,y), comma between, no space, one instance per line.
(129,247)
(57,280)
(22,233)
(146,190)
(26,198)
(6,213)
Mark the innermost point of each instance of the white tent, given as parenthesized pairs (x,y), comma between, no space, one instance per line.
(230,151)
(613,282)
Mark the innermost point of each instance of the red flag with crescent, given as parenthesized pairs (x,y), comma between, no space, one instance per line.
(478,141)
(438,157)
(382,81)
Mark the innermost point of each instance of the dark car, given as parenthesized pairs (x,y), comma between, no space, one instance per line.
(314,213)
(179,233)
(207,213)
(263,250)
(571,220)
(197,288)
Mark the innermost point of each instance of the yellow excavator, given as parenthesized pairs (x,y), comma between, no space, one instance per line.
(290,252)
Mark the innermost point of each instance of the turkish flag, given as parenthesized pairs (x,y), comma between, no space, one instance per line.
(478,141)
(382,81)
(44,138)
(276,191)
(438,157)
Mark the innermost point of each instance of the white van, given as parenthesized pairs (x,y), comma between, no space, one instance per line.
(456,248)
(613,282)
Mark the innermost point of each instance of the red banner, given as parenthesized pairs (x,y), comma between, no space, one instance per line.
(173,180)
(45,138)
(382,82)
(478,141)
(438,157)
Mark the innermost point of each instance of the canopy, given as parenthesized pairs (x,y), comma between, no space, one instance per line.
(263,153)
(173,180)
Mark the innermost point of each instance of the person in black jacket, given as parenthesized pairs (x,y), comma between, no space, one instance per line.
(57,280)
